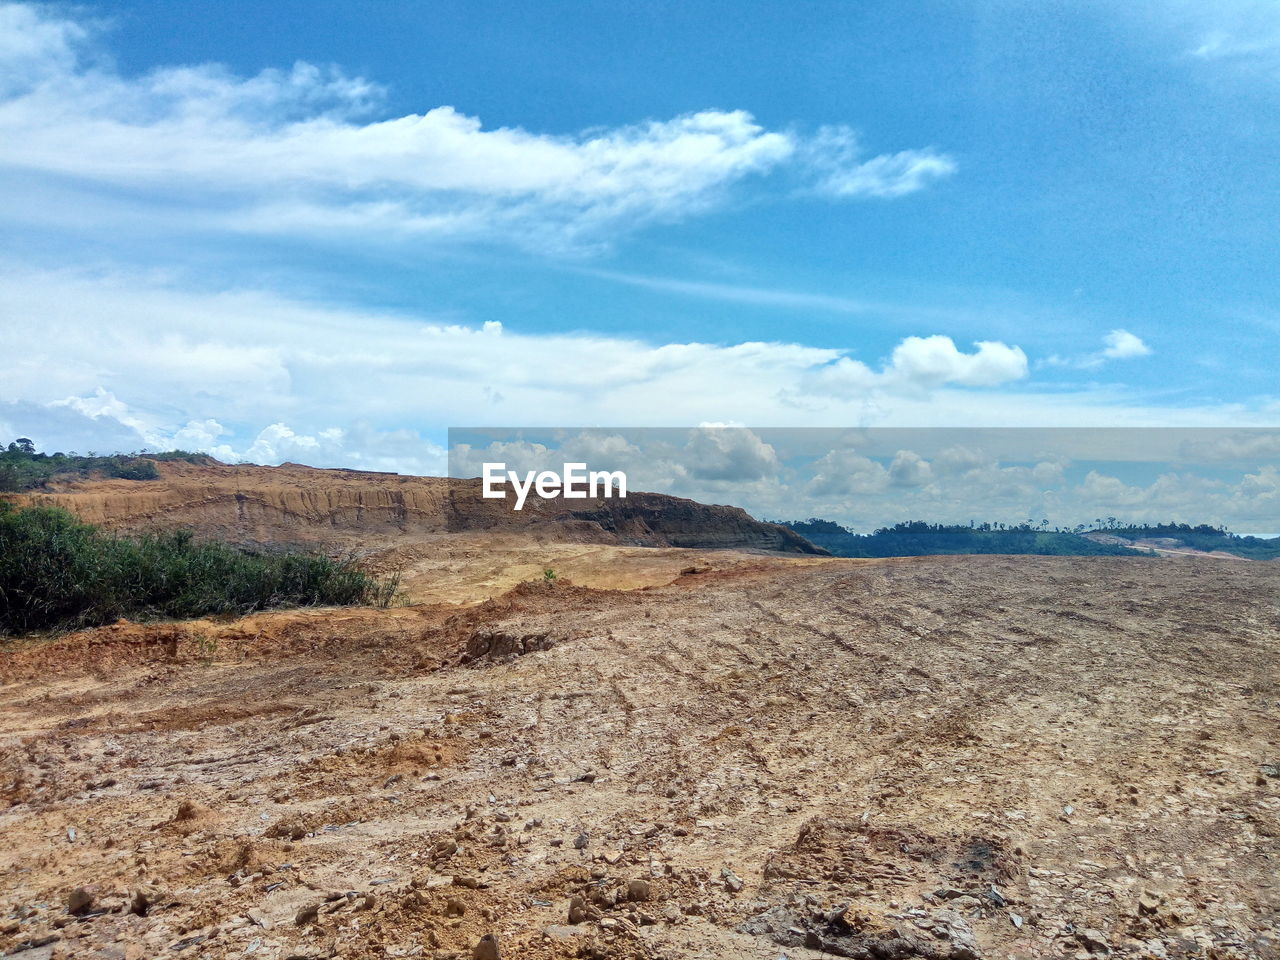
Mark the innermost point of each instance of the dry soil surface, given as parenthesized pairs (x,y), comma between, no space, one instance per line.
(940,758)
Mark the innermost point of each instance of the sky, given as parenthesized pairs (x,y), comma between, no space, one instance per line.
(326,233)
(874,477)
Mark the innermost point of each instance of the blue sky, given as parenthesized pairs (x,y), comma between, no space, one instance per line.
(326,232)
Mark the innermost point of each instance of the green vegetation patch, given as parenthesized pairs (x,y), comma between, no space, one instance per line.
(57,572)
(21,468)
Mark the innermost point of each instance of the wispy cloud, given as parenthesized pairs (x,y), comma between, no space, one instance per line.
(1116,345)
(742,293)
(838,156)
(303,150)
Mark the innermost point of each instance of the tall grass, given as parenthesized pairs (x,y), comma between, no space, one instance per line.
(57,572)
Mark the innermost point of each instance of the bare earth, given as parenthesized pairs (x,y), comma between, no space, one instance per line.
(940,758)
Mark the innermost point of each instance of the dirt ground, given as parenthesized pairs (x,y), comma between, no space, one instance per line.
(766,757)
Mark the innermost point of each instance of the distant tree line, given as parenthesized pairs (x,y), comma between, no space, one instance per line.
(1201,537)
(22,468)
(915,538)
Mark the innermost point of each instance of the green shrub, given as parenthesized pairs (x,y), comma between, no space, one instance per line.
(57,572)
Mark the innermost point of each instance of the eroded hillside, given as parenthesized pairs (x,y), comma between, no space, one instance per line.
(370,511)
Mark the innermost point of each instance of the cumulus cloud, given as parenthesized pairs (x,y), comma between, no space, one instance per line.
(843,473)
(729,453)
(925,363)
(304,150)
(909,469)
(1121,345)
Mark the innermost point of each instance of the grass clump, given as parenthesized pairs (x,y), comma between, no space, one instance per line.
(57,572)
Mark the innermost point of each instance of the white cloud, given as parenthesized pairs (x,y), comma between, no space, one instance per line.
(921,364)
(1122,345)
(836,153)
(845,473)
(302,151)
(909,469)
(108,352)
(1116,345)
(719,453)
(109,348)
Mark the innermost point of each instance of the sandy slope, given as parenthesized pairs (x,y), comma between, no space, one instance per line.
(943,757)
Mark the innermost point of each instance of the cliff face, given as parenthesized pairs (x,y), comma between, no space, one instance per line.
(352,509)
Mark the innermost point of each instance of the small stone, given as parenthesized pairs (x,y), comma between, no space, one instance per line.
(455,908)
(307,914)
(140,901)
(1095,941)
(580,841)
(260,918)
(732,882)
(487,949)
(639,891)
(81,899)
(581,912)
(1148,902)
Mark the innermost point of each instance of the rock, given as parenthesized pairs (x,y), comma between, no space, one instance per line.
(639,891)
(582,912)
(141,900)
(1148,902)
(444,848)
(1095,941)
(487,949)
(81,899)
(580,841)
(455,908)
(307,914)
(260,918)
(964,946)
(732,882)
